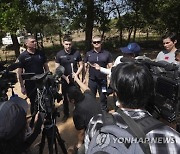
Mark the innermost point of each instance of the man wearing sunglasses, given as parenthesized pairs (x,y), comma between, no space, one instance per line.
(98,80)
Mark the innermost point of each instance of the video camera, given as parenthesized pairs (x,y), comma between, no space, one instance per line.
(47,86)
(166,103)
(7,79)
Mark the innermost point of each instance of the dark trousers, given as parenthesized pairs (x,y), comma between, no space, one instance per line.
(98,85)
(65,86)
(31,94)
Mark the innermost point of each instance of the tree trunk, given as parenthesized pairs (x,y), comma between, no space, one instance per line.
(147,34)
(89,23)
(129,33)
(60,37)
(134,36)
(16,45)
(121,36)
(103,32)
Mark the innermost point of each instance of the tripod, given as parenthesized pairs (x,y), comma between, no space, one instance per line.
(50,131)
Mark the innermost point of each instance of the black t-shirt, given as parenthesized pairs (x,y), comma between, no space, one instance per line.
(102,58)
(67,59)
(85,110)
(32,63)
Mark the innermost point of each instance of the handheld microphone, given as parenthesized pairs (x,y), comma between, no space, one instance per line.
(72,67)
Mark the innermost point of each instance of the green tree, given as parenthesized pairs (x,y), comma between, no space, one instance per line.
(11,19)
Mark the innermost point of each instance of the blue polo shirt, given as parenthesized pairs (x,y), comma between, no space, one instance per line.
(102,58)
(33,63)
(65,59)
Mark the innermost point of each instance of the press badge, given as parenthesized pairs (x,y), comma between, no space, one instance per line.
(104,89)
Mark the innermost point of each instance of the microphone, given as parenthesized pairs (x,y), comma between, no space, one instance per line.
(72,67)
(59,71)
(127,59)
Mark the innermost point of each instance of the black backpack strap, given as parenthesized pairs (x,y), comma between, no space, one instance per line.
(148,123)
(108,119)
(136,130)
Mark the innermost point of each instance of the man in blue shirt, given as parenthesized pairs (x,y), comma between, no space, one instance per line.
(32,61)
(97,79)
(70,59)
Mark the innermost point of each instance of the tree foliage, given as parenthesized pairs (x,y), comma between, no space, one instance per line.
(65,16)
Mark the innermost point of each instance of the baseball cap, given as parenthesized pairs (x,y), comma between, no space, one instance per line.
(131,48)
(12,119)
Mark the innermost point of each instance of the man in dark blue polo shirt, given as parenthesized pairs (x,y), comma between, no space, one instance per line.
(70,59)
(32,61)
(98,80)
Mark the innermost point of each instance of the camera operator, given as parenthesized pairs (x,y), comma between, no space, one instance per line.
(169,43)
(133,84)
(13,127)
(85,107)
(31,61)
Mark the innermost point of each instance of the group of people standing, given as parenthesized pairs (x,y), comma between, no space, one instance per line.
(132,83)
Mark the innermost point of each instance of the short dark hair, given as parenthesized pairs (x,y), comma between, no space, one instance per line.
(67,38)
(170,35)
(133,84)
(75,93)
(177,52)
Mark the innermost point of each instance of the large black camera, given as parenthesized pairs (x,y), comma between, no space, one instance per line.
(47,86)
(167,90)
(7,79)
(166,100)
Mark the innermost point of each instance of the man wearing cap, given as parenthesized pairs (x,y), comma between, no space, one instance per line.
(98,80)
(131,51)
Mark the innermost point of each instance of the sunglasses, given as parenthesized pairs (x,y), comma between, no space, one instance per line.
(98,42)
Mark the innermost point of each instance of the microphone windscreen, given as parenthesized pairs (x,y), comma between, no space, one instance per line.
(127,59)
(59,71)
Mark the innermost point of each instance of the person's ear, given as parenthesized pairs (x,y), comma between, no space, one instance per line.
(175,41)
